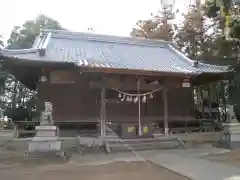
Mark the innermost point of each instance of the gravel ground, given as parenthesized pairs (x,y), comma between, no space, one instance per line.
(231,158)
(14,166)
(116,171)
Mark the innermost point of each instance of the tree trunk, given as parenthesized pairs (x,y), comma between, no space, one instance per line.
(14,96)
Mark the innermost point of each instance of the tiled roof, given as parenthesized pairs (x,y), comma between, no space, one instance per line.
(103,51)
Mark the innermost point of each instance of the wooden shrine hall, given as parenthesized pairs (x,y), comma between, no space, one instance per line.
(111,80)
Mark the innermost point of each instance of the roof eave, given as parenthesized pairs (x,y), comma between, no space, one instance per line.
(135,72)
(174,48)
(39,47)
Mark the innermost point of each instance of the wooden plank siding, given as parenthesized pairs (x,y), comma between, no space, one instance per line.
(80,101)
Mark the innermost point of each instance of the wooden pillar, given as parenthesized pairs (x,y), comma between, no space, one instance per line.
(103,111)
(165,105)
(139,109)
(198,98)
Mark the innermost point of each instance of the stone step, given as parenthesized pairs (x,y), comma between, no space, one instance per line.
(142,144)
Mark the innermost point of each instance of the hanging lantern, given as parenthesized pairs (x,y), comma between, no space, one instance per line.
(123,98)
(150,96)
(144,99)
(135,100)
(119,95)
(130,98)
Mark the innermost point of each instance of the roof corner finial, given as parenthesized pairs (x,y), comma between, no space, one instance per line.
(42,52)
(41,30)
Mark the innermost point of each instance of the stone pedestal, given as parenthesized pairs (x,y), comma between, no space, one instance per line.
(230,135)
(45,141)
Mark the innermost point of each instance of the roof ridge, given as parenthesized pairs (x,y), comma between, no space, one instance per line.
(104,37)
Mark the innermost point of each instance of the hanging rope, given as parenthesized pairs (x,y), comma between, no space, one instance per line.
(140,94)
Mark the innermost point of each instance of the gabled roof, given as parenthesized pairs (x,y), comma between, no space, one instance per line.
(112,52)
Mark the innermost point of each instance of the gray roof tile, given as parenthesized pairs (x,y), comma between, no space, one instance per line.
(103,51)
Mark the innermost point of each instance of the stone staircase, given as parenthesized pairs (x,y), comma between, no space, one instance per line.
(164,142)
(110,133)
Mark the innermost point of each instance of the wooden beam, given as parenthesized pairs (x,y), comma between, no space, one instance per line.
(165,104)
(135,72)
(129,83)
(103,109)
(126,87)
(139,109)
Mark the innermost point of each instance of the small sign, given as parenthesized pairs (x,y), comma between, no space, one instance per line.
(131,129)
(145,129)
(186,83)
(61,77)
(29,125)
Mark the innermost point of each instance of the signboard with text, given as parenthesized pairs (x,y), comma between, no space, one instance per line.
(61,77)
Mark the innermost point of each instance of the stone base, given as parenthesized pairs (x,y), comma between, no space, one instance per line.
(232,126)
(46,131)
(232,145)
(230,137)
(44,145)
(47,155)
(45,141)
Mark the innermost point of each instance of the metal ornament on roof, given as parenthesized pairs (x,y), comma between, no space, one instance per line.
(128,97)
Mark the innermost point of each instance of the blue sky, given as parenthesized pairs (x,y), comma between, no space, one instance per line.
(104,16)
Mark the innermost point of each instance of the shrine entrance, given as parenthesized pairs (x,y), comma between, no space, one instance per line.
(132,122)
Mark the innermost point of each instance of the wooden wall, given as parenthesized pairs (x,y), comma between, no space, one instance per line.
(78,101)
(180,103)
